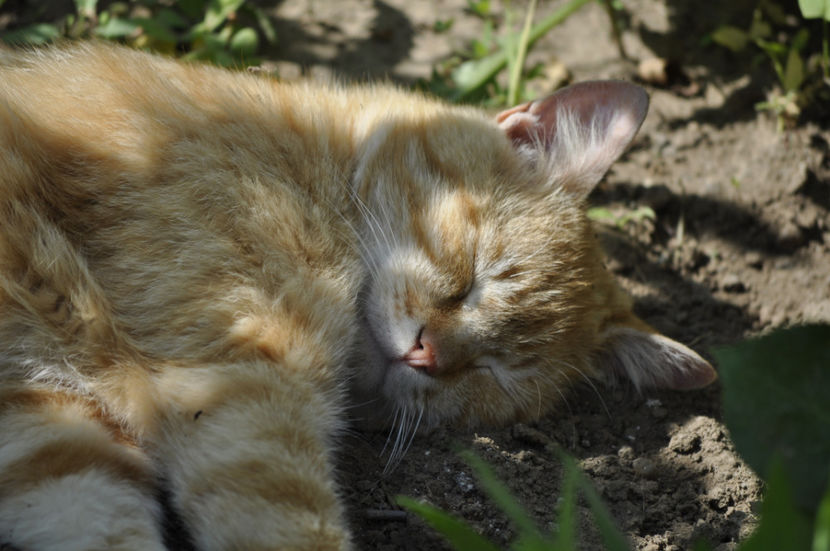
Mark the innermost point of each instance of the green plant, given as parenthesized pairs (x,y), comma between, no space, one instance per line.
(471,76)
(212,30)
(784,40)
(604,215)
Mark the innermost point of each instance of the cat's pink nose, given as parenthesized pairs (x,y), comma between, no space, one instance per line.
(422,355)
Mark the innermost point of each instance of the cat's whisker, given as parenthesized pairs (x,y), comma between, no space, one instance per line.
(413,433)
(393,460)
(391,429)
(590,384)
(362,247)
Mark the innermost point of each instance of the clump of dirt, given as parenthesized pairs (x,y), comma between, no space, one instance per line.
(739,244)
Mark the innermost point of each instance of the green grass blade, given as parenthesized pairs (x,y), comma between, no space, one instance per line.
(460,535)
(518,62)
(565,539)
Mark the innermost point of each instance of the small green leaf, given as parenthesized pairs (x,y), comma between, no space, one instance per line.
(793,71)
(86,8)
(264,23)
(480,8)
(442,25)
(812,9)
(156,29)
(731,37)
(39,33)
(772,48)
(600,214)
(800,40)
(115,27)
(460,535)
(244,42)
(218,12)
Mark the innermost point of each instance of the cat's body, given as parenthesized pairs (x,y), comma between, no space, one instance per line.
(200,270)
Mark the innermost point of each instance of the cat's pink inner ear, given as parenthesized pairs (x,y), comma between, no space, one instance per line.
(582,128)
(653,360)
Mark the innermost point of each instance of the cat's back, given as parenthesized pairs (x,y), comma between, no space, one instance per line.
(156,198)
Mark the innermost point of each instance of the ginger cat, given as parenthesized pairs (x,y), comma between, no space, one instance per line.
(203,274)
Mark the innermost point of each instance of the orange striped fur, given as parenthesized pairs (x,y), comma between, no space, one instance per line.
(200,270)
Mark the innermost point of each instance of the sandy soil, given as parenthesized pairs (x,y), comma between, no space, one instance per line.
(739,246)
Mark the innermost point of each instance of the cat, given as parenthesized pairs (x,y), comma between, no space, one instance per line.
(204,274)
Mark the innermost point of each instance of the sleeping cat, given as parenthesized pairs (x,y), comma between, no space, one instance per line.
(204,274)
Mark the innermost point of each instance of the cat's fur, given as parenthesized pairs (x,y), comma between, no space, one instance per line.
(200,269)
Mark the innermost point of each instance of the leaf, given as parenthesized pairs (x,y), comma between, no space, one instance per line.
(264,23)
(731,37)
(812,9)
(86,8)
(775,394)
(39,33)
(156,29)
(480,8)
(460,535)
(116,27)
(600,214)
(244,42)
(793,71)
(218,12)
(782,525)
(800,40)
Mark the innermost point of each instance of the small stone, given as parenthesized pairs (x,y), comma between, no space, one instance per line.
(653,71)
(625,453)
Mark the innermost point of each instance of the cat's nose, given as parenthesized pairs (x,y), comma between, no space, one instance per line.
(422,354)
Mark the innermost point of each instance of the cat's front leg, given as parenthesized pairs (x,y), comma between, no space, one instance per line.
(246,449)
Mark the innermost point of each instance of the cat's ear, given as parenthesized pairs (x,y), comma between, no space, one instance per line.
(578,131)
(652,360)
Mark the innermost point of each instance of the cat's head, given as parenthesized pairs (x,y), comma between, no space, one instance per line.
(486,294)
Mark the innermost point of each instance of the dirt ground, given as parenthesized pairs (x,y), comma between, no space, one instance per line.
(739,246)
